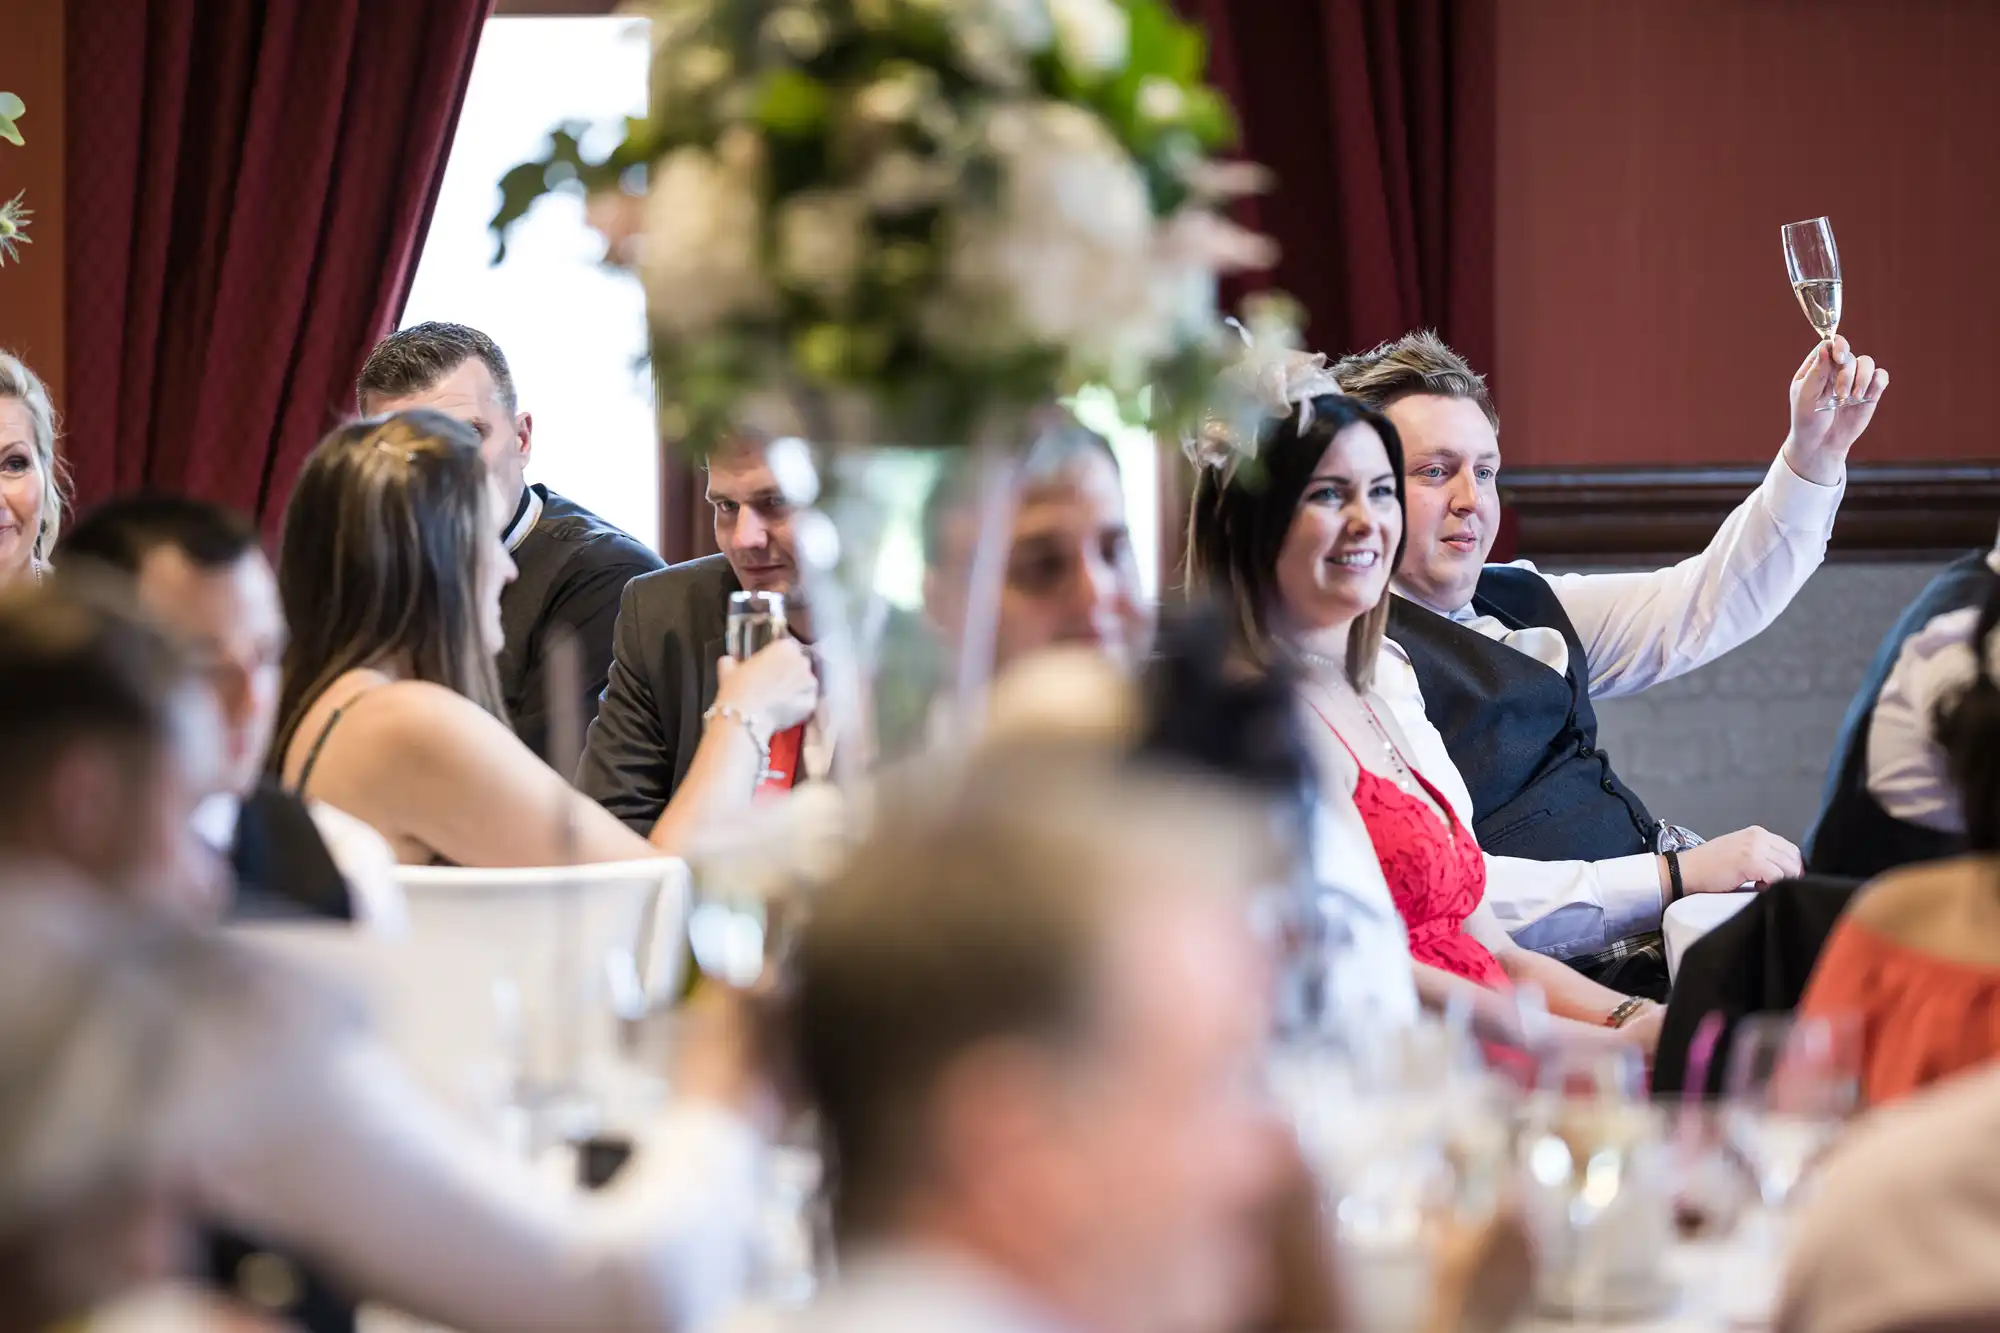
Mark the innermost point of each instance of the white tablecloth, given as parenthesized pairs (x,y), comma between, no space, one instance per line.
(1693,917)
(1721,1284)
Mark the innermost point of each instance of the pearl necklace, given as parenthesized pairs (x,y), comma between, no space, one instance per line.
(1405,779)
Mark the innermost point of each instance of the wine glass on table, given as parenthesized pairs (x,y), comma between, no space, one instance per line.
(1793,1082)
(1813,263)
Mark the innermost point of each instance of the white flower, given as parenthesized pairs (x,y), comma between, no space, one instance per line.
(901,182)
(1026,23)
(822,236)
(798,32)
(1161,100)
(1094,37)
(1067,260)
(703,219)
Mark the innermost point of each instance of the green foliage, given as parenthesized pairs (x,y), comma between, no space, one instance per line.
(886,101)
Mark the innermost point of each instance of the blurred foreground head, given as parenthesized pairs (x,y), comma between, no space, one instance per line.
(111,740)
(1031,1015)
(130,1044)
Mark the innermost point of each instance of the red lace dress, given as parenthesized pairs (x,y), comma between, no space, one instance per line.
(1436,874)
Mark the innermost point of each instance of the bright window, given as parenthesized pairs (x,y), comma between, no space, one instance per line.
(574,331)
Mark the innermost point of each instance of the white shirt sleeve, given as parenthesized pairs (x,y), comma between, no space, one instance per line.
(390,1195)
(1566,909)
(1906,767)
(1641,629)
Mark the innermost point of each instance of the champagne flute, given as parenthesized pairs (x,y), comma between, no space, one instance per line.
(756,620)
(1814,266)
(1792,1084)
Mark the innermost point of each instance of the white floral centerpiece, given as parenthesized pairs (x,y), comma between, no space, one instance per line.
(905,221)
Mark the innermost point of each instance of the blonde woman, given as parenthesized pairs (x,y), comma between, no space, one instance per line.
(30,495)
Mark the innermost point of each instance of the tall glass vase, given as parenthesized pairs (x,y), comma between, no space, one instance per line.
(903,556)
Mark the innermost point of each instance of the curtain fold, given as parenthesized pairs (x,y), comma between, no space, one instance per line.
(1377,118)
(249,184)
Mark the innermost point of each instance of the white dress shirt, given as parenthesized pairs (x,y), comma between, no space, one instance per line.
(363,857)
(349,1165)
(1637,630)
(1906,769)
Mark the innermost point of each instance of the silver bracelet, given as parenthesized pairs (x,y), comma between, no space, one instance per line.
(730,713)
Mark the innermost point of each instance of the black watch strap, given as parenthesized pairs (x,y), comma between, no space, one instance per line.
(1678,889)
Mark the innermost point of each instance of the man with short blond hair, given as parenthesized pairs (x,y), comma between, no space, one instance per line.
(1505,661)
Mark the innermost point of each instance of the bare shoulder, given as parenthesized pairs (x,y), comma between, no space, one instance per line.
(1915,895)
(416,719)
(1950,909)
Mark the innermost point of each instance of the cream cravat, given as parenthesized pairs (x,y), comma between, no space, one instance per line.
(1545,645)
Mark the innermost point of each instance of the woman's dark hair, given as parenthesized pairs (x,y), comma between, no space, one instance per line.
(1968,727)
(380,561)
(1240,515)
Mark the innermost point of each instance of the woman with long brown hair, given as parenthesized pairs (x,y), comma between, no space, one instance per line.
(390,570)
(1298,534)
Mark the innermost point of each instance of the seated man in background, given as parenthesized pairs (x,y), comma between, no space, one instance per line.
(1069,578)
(1889,801)
(1030,1016)
(198,572)
(1506,661)
(572,565)
(674,702)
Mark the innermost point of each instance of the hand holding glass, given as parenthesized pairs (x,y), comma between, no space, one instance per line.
(1813,264)
(756,620)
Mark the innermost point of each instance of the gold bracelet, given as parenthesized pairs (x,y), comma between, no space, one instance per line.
(1625,1012)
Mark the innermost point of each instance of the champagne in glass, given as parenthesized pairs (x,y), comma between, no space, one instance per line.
(756,621)
(1814,265)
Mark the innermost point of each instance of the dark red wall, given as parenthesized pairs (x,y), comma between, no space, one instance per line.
(1648,153)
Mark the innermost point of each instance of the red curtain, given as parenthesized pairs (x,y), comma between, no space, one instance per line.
(1377,118)
(249,183)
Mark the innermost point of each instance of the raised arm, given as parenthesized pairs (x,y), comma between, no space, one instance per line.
(1641,629)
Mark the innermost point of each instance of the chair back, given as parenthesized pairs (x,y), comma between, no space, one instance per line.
(563,952)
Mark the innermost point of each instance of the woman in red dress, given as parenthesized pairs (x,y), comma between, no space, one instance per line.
(1301,535)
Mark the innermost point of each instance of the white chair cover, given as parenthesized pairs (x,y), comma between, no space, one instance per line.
(561,952)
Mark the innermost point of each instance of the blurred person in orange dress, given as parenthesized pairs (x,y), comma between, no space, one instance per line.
(1915,959)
